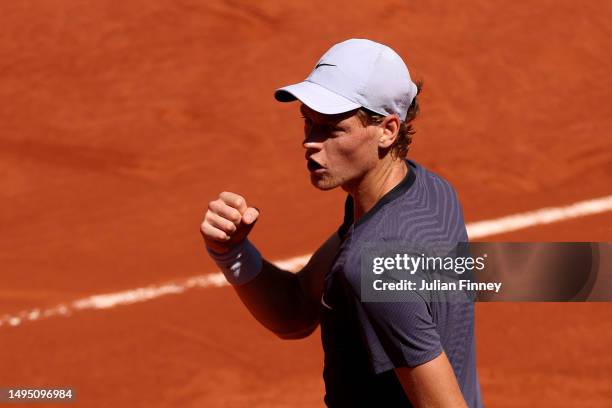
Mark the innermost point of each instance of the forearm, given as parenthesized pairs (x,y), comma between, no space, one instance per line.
(277,300)
(274,297)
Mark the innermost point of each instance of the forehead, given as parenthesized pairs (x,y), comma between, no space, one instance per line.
(323,118)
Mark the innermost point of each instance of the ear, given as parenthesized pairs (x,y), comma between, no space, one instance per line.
(389,129)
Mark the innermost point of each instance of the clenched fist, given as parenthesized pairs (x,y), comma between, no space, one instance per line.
(227,222)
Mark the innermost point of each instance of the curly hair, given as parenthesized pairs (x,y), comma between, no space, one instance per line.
(404,137)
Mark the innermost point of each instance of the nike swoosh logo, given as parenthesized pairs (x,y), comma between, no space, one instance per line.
(325,304)
(323,64)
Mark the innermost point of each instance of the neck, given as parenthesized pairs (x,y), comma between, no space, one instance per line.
(375,184)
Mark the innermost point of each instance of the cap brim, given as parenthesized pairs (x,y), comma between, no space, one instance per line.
(316,98)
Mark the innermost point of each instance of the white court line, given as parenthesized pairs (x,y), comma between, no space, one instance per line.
(548,215)
(476,230)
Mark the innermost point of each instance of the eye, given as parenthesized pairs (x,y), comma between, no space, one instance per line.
(333,129)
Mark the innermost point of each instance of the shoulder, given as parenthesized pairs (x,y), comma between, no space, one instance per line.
(429,189)
(429,211)
(430,181)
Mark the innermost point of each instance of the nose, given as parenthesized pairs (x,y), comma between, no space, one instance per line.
(311,145)
(310,152)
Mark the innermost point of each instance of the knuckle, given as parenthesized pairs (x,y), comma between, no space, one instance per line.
(207,217)
(227,224)
(205,229)
(223,224)
(239,201)
(226,195)
(232,199)
(234,216)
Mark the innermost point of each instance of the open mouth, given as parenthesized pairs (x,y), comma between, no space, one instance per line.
(314,166)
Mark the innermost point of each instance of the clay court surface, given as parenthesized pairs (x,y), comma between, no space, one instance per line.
(119,121)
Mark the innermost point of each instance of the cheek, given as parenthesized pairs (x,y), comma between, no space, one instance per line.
(349,161)
(340,154)
(360,150)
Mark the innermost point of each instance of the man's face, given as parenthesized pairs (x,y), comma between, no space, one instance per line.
(340,150)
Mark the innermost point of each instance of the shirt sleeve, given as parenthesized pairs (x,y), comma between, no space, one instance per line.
(399,334)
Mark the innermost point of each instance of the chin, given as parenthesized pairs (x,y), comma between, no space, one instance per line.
(323,183)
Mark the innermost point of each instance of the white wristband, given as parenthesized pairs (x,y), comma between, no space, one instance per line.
(239,265)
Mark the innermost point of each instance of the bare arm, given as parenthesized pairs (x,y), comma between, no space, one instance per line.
(432,384)
(286,303)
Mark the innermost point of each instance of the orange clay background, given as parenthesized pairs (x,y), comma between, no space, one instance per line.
(120,120)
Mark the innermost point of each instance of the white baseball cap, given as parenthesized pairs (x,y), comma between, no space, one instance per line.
(352,74)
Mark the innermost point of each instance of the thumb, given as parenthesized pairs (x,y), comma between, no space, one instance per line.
(250,215)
